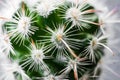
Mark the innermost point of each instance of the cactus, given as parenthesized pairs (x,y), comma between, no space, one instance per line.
(52,39)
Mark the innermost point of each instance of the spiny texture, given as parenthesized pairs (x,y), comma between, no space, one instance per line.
(53,39)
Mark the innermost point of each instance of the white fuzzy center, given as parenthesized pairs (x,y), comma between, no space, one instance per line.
(24,25)
(73,13)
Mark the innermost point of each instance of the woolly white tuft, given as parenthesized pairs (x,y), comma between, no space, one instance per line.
(6,45)
(45,7)
(35,59)
(9,7)
(9,70)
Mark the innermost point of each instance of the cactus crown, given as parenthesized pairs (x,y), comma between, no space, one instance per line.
(52,40)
